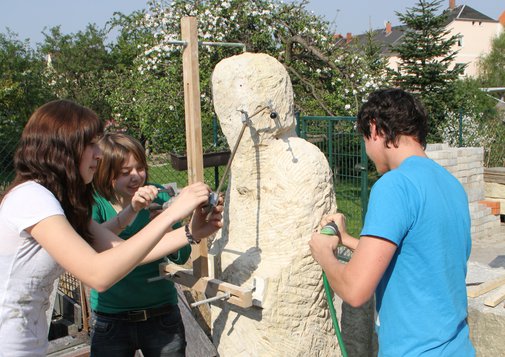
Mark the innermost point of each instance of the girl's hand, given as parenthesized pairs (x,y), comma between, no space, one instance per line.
(144,197)
(188,200)
(201,227)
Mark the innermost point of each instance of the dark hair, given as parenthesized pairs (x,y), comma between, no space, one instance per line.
(395,113)
(116,147)
(50,151)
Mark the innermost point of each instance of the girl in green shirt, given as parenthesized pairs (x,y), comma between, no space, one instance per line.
(134,314)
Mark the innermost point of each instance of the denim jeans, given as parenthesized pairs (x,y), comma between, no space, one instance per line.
(159,336)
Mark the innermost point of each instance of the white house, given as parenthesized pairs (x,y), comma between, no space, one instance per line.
(476,32)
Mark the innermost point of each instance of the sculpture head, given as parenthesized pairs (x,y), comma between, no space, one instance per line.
(253,83)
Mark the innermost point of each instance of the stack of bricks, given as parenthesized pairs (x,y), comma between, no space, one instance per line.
(466,164)
(494,185)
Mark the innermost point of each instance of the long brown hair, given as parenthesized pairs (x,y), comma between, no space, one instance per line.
(50,151)
(116,148)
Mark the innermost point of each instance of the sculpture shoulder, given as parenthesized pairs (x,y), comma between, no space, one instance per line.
(295,154)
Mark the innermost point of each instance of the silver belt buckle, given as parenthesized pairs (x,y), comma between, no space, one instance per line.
(138,315)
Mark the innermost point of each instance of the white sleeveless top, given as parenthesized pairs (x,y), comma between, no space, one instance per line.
(27,271)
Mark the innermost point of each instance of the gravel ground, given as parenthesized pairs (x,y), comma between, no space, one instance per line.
(492,252)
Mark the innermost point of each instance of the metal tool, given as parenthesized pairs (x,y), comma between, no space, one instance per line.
(224,296)
(214,196)
(170,190)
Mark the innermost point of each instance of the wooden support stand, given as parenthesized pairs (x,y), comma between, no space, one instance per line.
(192,112)
(239,296)
(198,278)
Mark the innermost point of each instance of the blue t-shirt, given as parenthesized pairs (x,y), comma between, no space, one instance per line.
(421,299)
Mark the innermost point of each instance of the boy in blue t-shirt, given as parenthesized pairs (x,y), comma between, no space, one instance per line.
(415,242)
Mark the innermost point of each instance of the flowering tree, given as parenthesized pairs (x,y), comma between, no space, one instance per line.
(328,79)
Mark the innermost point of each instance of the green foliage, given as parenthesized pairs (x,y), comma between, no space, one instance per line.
(492,66)
(77,66)
(327,78)
(492,74)
(22,89)
(425,59)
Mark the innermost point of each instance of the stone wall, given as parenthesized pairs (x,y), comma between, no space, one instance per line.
(466,164)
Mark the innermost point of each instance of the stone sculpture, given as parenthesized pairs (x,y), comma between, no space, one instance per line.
(279,188)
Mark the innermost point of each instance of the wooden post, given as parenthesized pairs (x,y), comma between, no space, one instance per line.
(192,111)
(198,279)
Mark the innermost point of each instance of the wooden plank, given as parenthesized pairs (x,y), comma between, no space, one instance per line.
(497,297)
(474,291)
(494,174)
(192,109)
(193,120)
(210,287)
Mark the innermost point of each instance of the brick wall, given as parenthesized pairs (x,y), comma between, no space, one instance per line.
(466,164)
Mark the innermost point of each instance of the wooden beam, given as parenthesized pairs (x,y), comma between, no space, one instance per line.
(474,291)
(241,297)
(192,109)
(496,297)
(192,114)
(494,174)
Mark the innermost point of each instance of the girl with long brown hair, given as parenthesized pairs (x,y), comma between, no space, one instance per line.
(46,226)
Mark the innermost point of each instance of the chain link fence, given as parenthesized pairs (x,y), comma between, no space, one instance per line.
(337,138)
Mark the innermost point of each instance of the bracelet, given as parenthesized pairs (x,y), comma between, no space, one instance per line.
(189,236)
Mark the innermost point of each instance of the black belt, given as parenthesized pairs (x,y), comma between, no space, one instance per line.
(138,315)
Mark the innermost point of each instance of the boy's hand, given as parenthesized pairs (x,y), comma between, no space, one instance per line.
(339,220)
(323,247)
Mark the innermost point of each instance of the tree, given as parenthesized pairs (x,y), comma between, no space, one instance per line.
(22,89)
(426,56)
(480,122)
(77,65)
(492,65)
(492,74)
(328,79)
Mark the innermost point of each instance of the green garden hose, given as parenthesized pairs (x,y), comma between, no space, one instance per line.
(332,229)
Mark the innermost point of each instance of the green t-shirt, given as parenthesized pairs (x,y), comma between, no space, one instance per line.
(134,292)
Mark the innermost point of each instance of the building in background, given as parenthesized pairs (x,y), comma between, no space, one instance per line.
(475,29)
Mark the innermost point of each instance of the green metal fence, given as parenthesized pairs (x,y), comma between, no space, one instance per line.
(344,149)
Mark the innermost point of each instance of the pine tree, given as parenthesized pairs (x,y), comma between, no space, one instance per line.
(426,56)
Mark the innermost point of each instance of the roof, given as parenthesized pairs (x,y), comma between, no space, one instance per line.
(464,12)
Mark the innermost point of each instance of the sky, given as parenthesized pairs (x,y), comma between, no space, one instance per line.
(28,18)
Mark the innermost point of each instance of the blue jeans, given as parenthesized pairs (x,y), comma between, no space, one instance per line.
(158,336)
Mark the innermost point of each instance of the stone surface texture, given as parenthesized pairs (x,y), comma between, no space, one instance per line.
(486,323)
(279,188)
